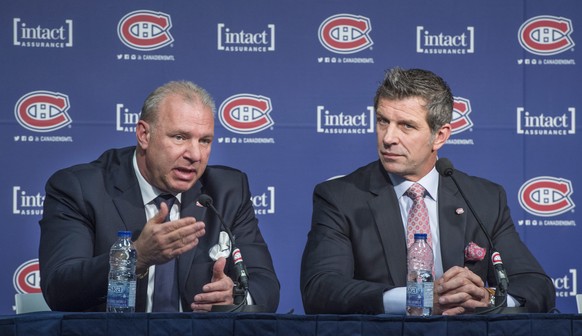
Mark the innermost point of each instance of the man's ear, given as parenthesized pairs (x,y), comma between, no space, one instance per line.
(142,133)
(441,136)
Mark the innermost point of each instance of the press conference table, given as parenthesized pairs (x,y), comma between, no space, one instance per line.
(86,324)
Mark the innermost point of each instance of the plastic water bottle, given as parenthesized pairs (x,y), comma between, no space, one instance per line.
(122,283)
(420,281)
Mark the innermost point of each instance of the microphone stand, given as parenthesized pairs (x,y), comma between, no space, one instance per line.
(241,307)
(241,285)
(240,294)
(500,307)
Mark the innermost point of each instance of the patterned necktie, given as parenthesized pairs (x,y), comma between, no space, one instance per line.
(417,215)
(166,297)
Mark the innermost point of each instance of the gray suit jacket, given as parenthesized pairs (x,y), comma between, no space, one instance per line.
(86,205)
(356,248)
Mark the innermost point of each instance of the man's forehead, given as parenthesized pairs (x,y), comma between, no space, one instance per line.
(407,105)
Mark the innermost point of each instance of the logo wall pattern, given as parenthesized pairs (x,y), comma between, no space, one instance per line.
(294,105)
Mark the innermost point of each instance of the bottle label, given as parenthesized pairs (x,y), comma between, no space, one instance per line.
(414,294)
(419,294)
(121,294)
(428,288)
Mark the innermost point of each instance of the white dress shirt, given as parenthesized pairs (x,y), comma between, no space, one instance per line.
(395,299)
(148,194)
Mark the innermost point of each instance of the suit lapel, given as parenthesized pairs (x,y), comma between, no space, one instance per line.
(386,213)
(128,200)
(129,205)
(452,226)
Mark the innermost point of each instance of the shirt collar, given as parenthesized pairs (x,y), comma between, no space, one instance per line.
(148,191)
(430,182)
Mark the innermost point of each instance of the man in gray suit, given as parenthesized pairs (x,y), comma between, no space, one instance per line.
(355,257)
(86,205)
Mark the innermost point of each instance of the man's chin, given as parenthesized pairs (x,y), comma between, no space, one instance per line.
(392,167)
(181,186)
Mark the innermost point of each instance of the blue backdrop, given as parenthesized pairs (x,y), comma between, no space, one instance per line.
(294,81)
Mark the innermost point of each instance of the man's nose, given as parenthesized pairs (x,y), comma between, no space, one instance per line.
(192,151)
(390,135)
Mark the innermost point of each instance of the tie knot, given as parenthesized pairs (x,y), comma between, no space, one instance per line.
(416,192)
(165,198)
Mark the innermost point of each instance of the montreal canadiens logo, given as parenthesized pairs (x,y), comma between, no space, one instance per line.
(43,111)
(246,113)
(26,279)
(345,33)
(461,110)
(546,35)
(496,258)
(546,196)
(145,30)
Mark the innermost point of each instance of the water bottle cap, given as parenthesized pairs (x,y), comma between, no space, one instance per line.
(124,234)
(419,236)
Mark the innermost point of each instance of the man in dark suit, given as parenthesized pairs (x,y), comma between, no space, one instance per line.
(86,205)
(355,257)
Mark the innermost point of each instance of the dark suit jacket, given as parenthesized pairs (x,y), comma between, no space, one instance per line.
(86,205)
(356,248)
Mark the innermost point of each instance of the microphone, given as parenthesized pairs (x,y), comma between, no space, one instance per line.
(237,258)
(240,269)
(445,168)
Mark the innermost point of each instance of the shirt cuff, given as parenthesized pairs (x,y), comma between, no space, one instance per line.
(395,301)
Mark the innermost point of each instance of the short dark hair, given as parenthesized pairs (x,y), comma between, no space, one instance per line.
(400,84)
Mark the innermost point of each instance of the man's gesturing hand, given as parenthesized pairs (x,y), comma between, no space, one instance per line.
(161,241)
(218,292)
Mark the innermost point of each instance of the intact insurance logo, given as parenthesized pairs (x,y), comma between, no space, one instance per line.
(547,196)
(26,203)
(334,122)
(145,31)
(33,34)
(43,112)
(125,120)
(551,124)
(232,39)
(567,285)
(246,114)
(439,43)
(264,203)
(345,34)
(461,121)
(26,278)
(546,36)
